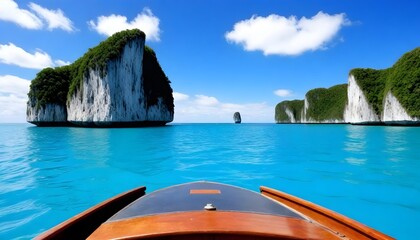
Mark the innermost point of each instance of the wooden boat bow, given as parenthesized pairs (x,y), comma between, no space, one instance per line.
(206,210)
(344,226)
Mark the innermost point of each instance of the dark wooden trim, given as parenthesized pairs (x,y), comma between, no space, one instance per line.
(343,225)
(185,225)
(83,224)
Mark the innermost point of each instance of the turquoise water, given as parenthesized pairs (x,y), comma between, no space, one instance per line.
(371,174)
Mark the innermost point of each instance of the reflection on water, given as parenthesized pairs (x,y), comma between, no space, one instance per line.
(356,139)
(92,145)
(356,161)
(356,144)
(393,141)
(396,142)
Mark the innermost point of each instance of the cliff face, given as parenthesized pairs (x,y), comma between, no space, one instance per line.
(119,96)
(361,111)
(46,115)
(323,106)
(394,113)
(390,96)
(289,111)
(47,97)
(358,110)
(112,86)
(319,106)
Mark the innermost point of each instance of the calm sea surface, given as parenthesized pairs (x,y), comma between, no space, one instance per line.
(371,174)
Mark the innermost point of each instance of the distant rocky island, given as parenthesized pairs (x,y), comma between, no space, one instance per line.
(118,83)
(237,117)
(371,97)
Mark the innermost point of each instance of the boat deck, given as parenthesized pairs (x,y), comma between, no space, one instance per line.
(195,196)
(179,212)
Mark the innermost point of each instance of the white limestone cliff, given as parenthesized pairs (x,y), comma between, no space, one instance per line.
(48,113)
(394,113)
(358,110)
(305,109)
(290,115)
(118,96)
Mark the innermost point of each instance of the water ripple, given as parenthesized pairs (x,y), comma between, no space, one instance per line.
(350,169)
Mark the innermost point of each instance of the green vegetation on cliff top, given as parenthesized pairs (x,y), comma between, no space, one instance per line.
(402,79)
(50,86)
(295,106)
(326,104)
(55,85)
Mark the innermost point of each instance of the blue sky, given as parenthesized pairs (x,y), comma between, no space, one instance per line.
(221,56)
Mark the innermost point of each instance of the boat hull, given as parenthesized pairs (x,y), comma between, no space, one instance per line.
(83,224)
(206,210)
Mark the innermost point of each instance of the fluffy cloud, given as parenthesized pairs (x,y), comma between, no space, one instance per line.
(279,35)
(11,54)
(60,63)
(283,93)
(178,97)
(14,55)
(54,18)
(145,21)
(13,98)
(203,100)
(11,12)
(202,108)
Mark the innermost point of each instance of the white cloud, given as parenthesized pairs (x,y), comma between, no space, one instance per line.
(283,93)
(178,97)
(13,98)
(10,11)
(279,35)
(205,100)
(145,21)
(14,55)
(54,18)
(60,63)
(11,54)
(12,85)
(202,108)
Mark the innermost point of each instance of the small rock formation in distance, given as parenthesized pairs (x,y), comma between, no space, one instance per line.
(237,117)
(118,83)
